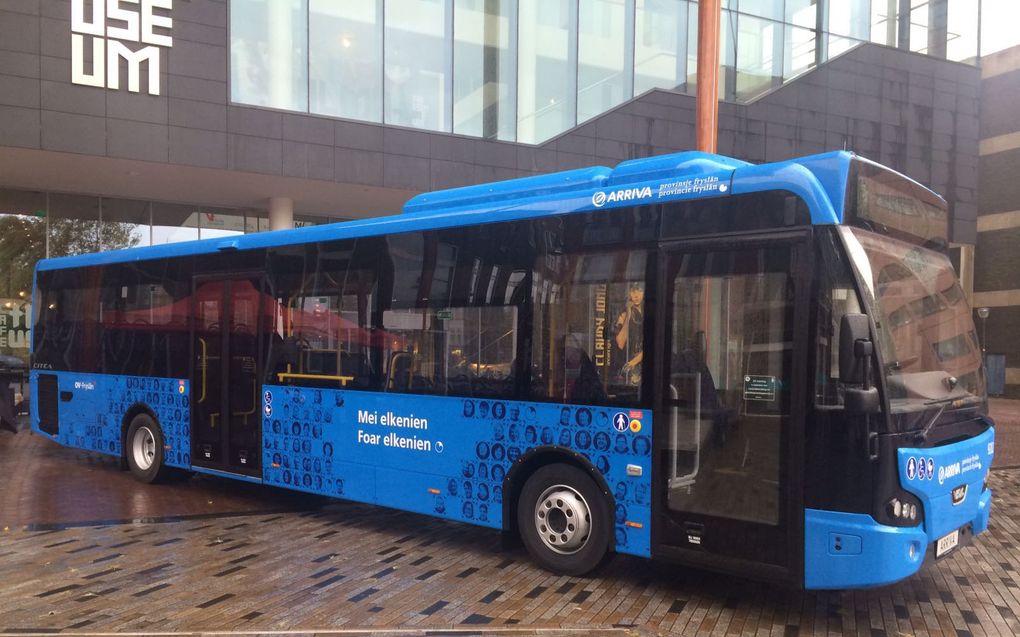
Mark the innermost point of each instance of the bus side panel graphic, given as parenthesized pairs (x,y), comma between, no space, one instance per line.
(92,409)
(448,457)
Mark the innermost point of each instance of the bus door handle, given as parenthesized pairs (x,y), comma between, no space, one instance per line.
(871,443)
(66,396)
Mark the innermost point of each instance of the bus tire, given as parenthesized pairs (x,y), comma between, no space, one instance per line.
(564,520)
(143,446)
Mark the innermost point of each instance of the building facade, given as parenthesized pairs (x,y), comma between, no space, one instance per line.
(134,123)
(996,259)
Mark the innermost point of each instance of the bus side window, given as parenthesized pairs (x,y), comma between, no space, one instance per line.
(837,296)
(589,317)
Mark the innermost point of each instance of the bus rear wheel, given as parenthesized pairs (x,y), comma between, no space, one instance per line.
(564,520)
(144,449)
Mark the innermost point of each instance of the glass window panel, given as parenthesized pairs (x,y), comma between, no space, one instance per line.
(728,43)
(919,26)
(172,223)
(883,22)
(268,60)
(730,371)
(589,327)
(603,81)
(757,63)
(839,44)
(74,225)
(803,13)
(216,222)
(660,44)
(345,59)
(256,221)
(800,51)
(125,223)
(22,239)
(417,64)
(545,94)
(484,69)
(849,18)
(962,38)
(692,46)
(22,243)
(762,8)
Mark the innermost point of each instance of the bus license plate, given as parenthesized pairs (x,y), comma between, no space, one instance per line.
(947,543)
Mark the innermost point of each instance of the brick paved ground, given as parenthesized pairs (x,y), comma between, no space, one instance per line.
(1006,414)
(347,566)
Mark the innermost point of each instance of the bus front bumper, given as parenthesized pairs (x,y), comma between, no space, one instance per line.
(852,550)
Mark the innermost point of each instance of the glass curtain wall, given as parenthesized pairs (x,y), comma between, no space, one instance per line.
(528,70)
(268,53)
(484,68)
(345,59)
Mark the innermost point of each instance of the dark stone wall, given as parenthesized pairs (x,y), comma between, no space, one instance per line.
(914,113)
(997,252)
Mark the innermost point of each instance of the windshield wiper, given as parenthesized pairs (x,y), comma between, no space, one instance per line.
(922,436)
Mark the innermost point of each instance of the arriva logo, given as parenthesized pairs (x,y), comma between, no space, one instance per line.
(601,198)
(949,471)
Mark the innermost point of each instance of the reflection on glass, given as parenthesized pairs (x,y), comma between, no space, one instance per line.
(919,16)
(74,225)
(484,68)
(125,223)
(417,63)
(772,9)
(603,72)
(804,13)
(660,44)
(849,18)
(173,223)
(883,22)
(345,59)
(962,37)
(759,53)
(800,53)
(547,69)
(925,337)
(215,222)
(268,61)
(727,55)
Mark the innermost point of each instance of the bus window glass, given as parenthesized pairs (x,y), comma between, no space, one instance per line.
(589,317)
(730,379)
(144,311)
(924,333)
(836,297)
(64,335)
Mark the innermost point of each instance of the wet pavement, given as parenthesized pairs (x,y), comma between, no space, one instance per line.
(84,548)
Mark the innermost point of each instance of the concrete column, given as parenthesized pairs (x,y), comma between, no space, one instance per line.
(281,213)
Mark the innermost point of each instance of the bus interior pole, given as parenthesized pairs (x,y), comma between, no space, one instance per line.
(709,12)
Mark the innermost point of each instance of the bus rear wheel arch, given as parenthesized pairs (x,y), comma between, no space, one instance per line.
(143,448)
(564,519)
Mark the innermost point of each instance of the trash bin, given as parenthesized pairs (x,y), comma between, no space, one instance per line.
(12,370)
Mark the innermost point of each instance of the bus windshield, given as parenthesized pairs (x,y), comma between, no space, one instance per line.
(926,337)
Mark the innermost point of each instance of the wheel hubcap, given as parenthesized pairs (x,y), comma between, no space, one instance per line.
(562,519)
(143,448)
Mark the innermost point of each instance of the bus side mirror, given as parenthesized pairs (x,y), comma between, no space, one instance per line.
(855,349)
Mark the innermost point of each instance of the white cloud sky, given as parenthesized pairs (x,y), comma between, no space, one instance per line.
(999,25)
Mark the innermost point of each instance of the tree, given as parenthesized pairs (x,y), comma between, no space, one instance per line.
(23,242)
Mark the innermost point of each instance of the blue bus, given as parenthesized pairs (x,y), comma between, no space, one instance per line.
(767,370)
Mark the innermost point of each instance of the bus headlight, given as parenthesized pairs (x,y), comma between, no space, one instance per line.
(901,511)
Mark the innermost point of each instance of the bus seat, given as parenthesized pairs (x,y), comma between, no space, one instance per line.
(399,375)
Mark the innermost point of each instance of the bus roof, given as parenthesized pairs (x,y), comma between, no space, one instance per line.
(820,180)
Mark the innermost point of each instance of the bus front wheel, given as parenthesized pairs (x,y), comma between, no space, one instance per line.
(564,520)
(144,447)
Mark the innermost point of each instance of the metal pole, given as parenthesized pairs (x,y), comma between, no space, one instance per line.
(708,75)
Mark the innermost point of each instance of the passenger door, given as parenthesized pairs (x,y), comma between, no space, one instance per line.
(732,402)
(226,414)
